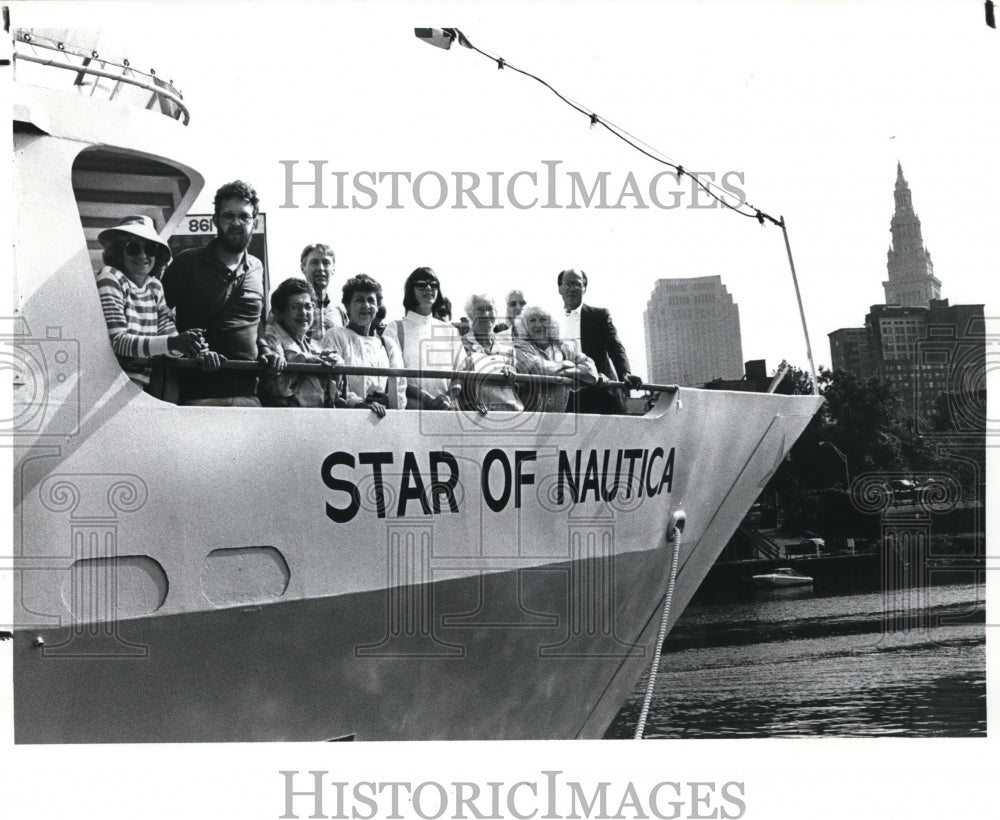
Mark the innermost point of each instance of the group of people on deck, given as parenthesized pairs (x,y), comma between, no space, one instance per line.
(207,304)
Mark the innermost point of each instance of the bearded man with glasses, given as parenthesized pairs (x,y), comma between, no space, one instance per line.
(220,288)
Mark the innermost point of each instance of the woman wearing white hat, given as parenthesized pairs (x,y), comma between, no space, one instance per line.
(140,324)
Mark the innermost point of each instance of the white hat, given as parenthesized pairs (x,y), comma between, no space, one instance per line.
(140,226)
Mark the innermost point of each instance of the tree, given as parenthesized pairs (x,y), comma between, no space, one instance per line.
(866,418)
(863,418)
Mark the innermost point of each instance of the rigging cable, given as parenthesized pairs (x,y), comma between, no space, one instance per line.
(676,524)
(743,209)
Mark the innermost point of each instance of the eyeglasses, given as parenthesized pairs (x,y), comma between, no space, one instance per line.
(243,219)
(426,285)
(133,248)
(515,303)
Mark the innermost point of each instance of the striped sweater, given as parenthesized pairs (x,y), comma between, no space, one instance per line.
(139,321)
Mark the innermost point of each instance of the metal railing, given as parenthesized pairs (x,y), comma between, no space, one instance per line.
(405,372)
(32,47)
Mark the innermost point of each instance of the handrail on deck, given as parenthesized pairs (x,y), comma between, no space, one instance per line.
(405,372)
(81,61)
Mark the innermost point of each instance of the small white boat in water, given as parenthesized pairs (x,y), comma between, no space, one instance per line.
(782,577)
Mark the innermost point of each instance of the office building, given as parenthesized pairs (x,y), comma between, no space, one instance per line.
(927,352)
(850,350)
(692,332)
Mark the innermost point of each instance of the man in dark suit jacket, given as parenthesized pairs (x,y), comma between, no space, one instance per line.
(599,340)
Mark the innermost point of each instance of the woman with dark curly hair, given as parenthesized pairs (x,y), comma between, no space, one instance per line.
(293,305)
(140,324)
(358,346)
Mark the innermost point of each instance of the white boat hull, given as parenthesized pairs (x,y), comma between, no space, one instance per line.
(781,581)
(335,668)
(213,597)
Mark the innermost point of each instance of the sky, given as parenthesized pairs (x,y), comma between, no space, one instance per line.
(804,106)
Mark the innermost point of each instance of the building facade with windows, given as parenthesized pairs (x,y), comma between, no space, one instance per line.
(692,332)
(850,350)
(927,353)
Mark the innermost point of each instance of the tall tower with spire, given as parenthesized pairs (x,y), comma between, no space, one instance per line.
(911,281)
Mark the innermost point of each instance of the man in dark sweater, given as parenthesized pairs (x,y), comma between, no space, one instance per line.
(220,288)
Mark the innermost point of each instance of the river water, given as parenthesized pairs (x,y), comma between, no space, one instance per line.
(793,663)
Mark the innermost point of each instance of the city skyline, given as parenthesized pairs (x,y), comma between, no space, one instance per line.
(916,340)
(910,283)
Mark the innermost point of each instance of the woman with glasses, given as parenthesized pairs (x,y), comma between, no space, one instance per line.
(139,322)
(428,343)
(293,306)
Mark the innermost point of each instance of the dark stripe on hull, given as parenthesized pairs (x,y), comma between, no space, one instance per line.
(546,652)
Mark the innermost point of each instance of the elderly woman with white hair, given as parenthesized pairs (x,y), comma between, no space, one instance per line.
(541,352)
(486,353)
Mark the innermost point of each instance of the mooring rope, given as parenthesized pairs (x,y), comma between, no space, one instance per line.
(678,526)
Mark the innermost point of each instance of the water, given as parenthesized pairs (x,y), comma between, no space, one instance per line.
(791,663)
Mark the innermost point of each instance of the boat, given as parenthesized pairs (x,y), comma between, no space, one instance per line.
(782,577)
(260,574)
